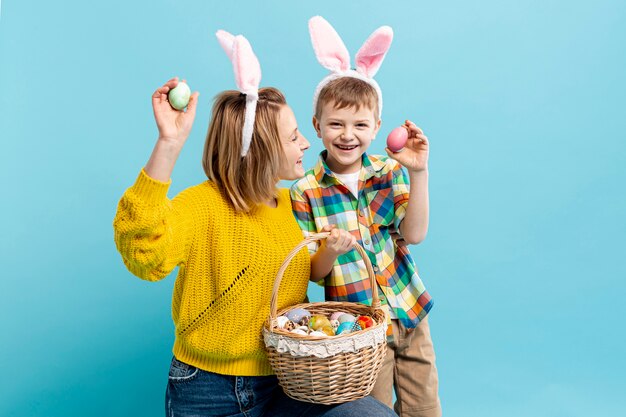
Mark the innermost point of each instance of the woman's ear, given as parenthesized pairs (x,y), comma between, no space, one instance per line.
(316,126)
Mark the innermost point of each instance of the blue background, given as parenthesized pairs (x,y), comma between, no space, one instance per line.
(523,102)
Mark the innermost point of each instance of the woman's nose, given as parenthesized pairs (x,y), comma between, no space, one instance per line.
(304,143)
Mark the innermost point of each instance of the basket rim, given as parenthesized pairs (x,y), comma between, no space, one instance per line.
(313,238)
(267,325)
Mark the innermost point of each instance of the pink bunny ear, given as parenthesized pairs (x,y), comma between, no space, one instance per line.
(227,41)
(247,77)
(329,48)
(373,51)
(246,66)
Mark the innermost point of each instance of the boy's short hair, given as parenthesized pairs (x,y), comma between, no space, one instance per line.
(348,92)
(249,180)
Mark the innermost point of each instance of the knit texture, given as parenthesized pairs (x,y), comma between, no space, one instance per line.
(227,265)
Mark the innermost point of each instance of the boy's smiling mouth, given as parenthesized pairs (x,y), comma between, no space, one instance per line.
(346,148)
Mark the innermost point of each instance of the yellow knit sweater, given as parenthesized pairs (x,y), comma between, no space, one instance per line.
(227,264)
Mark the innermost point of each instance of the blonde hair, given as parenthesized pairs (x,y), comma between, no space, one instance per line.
(250,180)
(348,92)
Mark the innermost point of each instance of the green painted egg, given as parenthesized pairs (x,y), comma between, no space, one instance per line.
(179,96)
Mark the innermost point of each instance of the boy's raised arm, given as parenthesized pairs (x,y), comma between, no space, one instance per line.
(414,157)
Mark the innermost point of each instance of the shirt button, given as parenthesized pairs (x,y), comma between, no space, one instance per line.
(366,241)
(375,268)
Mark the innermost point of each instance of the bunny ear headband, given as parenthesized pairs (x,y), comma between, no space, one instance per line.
(247,77)
(333,55)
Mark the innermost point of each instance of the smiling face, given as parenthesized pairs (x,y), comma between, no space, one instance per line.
(294,145)
(346,134)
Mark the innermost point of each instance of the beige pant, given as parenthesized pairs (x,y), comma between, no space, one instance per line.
(410,369)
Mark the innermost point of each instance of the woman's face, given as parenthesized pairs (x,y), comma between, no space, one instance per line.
(294,145)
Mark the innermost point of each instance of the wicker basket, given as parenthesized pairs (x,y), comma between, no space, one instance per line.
(332,369)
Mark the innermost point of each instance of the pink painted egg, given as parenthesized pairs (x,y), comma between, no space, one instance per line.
(336,315)
(397,139)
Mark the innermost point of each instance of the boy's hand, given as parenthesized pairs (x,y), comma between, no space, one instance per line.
(339,242)
(414,156)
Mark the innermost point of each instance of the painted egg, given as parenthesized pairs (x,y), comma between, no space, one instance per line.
(179,96)
(297,314)
(365,322)
(334,324)
(346,318)
(397,139)
(318,321)
(336,315)
(282,321)
(302,328)
(299,331)
(356,327)
(328,330)
(345,327)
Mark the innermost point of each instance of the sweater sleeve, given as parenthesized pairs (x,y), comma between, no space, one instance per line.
(151,232)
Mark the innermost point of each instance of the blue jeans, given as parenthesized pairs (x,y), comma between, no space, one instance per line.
(192,392)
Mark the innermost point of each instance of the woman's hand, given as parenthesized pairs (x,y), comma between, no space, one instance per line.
(174,128)
(174,125)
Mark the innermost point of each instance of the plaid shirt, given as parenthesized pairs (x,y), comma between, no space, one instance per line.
(374,218)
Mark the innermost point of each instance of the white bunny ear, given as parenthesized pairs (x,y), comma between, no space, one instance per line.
(245,63)
(247,77)
(246,66)
(373,51)
(329,48)
(227,41)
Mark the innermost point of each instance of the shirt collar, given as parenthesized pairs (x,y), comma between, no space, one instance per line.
(325,177)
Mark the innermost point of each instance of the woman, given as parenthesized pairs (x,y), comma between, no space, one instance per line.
(228,236)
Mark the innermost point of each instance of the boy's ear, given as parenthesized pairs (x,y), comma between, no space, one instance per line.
(316,126)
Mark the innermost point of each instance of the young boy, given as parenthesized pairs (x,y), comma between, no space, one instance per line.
(367,198)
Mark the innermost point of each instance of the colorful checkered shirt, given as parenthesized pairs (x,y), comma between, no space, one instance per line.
(374,218)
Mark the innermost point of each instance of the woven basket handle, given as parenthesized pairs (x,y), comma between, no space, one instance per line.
(312,238)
